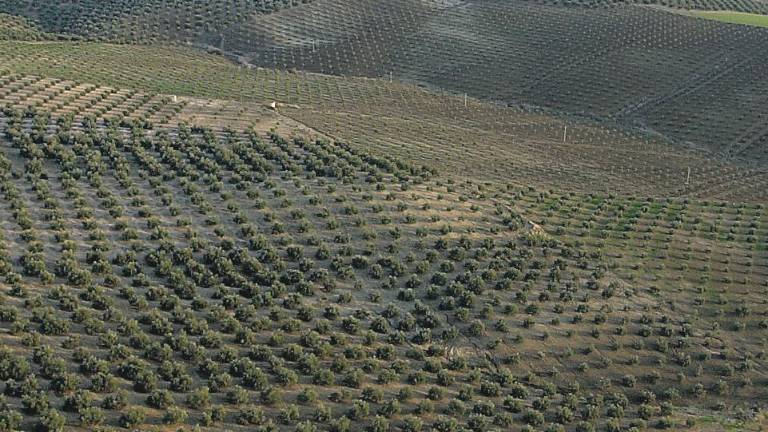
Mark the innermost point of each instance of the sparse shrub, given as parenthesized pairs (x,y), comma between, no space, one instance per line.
(533,418)
(91,416)
(199,398)
(251,415)
(10,420)
(160,399)
(52,421)
(174,415)
(131,417)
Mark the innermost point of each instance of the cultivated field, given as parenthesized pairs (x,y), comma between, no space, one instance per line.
(204,277)
(382,216)
(747,6)
(67,99)
(17,28)
(734,17)
(424,127)
(141,21)
(698,82)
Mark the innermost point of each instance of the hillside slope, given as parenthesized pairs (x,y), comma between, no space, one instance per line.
(191,276)
(189,243)
(470,138)
(698,83)
(143,20)
(695,81)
